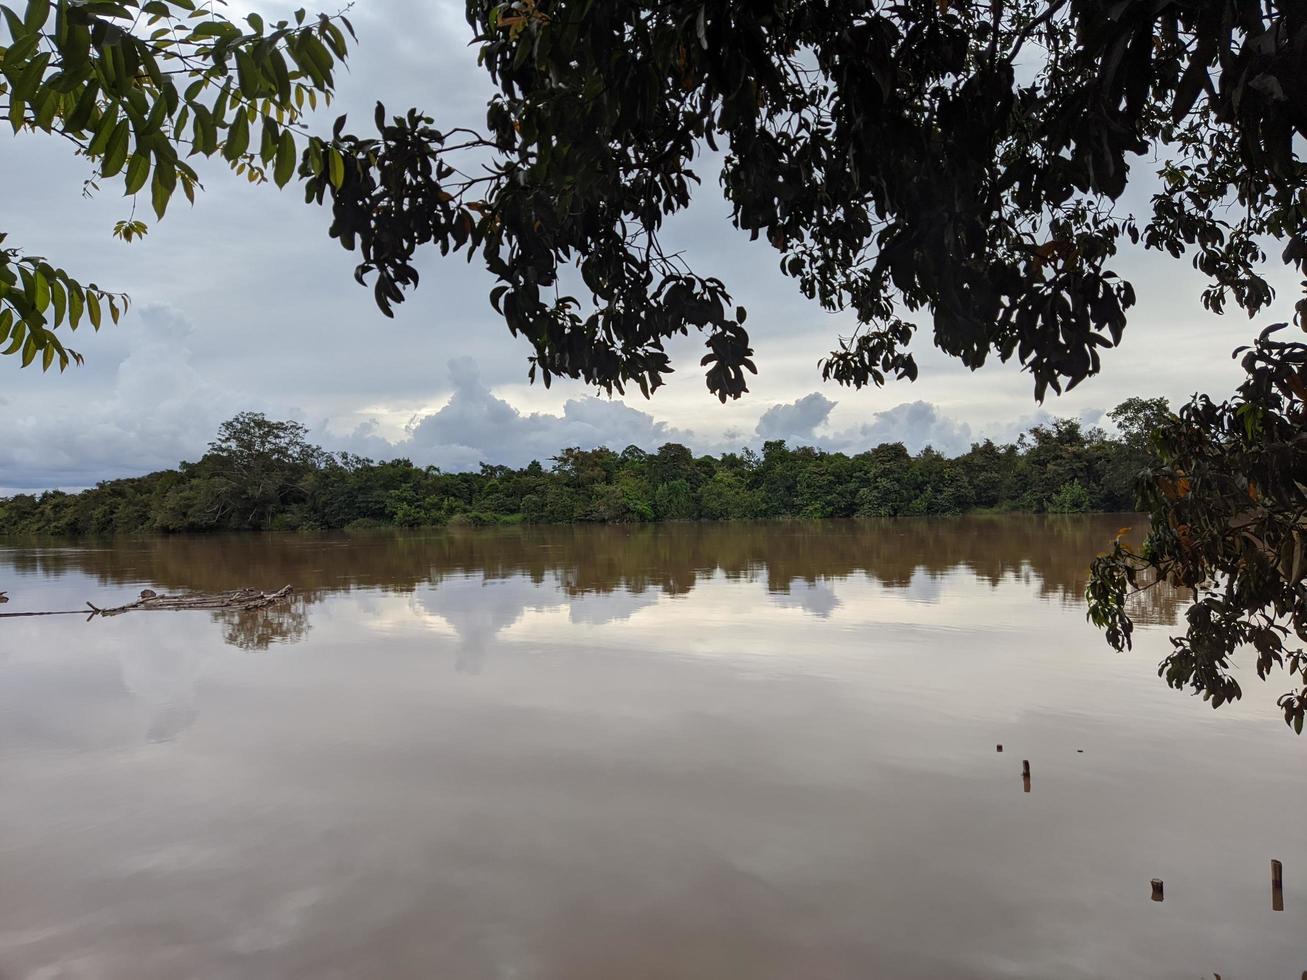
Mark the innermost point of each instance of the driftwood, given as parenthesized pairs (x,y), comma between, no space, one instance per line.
(239,599)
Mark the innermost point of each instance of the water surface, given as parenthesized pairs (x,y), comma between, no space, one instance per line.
(690,751)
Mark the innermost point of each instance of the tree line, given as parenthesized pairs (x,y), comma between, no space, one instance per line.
(262,474)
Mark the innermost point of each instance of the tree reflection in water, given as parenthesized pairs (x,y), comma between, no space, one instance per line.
(797,560)
(258,629)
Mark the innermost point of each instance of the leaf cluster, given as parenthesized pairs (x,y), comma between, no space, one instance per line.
(1228,500)
(958,161)
(139,87)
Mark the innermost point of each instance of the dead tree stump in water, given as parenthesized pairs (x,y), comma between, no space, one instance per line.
(149,599)
(239,599)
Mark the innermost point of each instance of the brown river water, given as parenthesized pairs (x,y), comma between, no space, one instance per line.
(691,751)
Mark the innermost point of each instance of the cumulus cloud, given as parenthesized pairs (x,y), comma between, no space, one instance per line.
(805,421)
(1013,429)
(480,609)
(154,410)
(796,421)
(915,424)
(476,425)
(816,598)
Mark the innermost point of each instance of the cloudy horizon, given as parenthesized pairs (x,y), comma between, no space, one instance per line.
(242,302)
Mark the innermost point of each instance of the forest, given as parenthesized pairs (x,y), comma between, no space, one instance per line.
(261,474)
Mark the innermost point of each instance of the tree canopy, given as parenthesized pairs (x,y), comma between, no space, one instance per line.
(260,474)
(946,160)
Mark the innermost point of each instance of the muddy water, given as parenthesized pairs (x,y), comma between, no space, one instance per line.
(744,750)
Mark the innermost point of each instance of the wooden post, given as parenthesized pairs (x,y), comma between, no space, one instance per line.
(1157,890)
(1025,775)
(1000,748)
(1277,886)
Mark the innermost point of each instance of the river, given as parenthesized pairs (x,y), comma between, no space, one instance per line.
(613,753)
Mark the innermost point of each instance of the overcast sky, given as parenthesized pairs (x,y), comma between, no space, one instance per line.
(243,302)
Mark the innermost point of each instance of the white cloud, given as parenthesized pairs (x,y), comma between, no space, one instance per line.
(476,426)
(915,424)
(796,422)
(154,409)
(806,422)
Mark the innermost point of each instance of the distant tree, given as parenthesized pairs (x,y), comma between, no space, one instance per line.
(727,497)
(1138,419)
(586,467)
(674,501)
(1071,498)
(674,461)
(255,465)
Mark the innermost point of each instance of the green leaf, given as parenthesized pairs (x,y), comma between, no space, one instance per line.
(138,172)
(93,309)
(248,79)
(16,339)
(20,51)
(282,76)
(17,110)
(315,156)
(75,305)
(154,123)
(103,130)
(268,144)
(38,11)
(336,168)
(238,138)
(41,291)
(76,121)
(285,167)
(161,188)
(60,300)
(115,154)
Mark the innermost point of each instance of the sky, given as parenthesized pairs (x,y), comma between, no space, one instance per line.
(243,302)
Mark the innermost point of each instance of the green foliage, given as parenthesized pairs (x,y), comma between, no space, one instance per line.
(961,161)
(132,85)
(1071,498)
(264,474)
(1227,493)
(674,501)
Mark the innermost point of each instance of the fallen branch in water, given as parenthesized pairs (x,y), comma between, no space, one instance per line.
(239,599)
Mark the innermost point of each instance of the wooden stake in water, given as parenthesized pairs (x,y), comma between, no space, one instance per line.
(1000,748)
(1157,890)
(1277,886)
